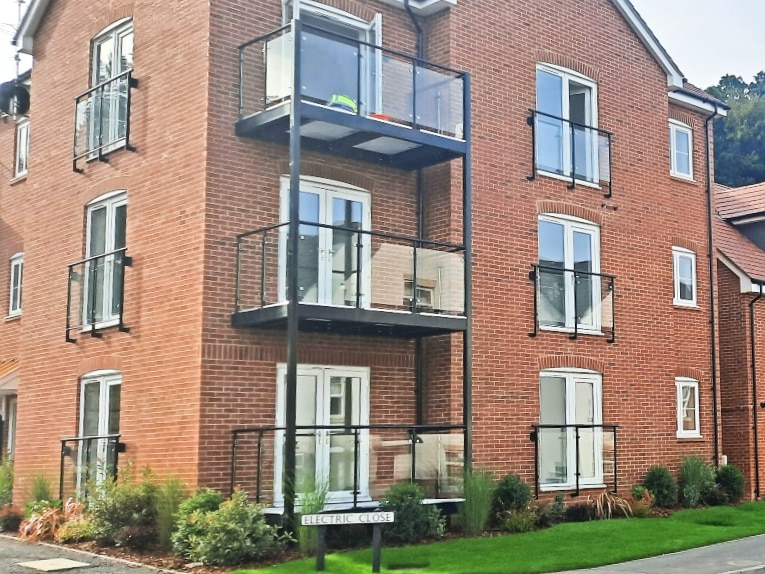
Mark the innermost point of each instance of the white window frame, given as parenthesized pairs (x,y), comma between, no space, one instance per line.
(572,224)
(105,379)
(16,287)
(680,384)
(677,254)
(21,163)
(111,201)
(567,76)
(572,376)
(676,128)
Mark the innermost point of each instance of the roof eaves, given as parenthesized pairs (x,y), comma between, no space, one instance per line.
(24,37)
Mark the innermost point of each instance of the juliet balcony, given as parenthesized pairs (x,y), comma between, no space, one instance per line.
(351,281)
(351,98)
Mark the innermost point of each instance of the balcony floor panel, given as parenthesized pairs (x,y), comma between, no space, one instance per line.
(353,321)
(333,131)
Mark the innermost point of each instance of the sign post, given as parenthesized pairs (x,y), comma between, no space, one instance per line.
(372,518)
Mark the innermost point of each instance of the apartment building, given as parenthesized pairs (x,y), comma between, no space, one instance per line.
(358,242)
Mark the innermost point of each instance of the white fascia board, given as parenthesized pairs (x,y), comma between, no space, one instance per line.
(690,101)
(28,27)
(628,12)
(745,282)
(423,7)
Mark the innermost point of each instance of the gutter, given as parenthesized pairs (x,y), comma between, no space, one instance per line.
(755,405)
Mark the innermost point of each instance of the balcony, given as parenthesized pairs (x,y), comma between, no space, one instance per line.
(102,119)
(86,461)
(358,464)
(356,100)
(575,152)
(95,294)
(351,281)
(573,301)
(575,456)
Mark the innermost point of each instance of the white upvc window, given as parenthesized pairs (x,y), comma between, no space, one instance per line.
(569,290)
(17,279)
(570,404)
(99,417)
(687,408)
(681,149)
(104,270)
(22,148)
(684,264)
(567,115)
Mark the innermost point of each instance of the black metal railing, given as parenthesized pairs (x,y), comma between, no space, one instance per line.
(573,301)
(571,465)
(87,460)
(102,119)
(571,150)
(96,293)
(366,79)
(365,460)
(368,269)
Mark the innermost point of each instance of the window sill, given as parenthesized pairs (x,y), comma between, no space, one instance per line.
(689,306)
(682,178)
(19,179)
(690,437)
(570,330)
(14,317)
(567,179)
(565,487)
(100,326)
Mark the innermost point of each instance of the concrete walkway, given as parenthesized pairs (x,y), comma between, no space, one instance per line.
(746,555)
(51,558)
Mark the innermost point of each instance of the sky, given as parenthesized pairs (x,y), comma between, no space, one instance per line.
(705,39)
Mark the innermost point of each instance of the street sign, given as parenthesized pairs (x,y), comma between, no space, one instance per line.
(346,518)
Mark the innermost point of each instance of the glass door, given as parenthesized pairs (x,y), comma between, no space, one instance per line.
(100,415)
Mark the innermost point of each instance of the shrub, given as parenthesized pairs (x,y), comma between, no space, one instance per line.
(10,518)
(311,503)
(478,491)
(75,531)
(6,482)
(42,524)
(414,521)
(638,492)
(115,507)
(169,497)
(580,512)
(641,502)
(189,524)
(696,480)
(511,493)
(731,481)
(715,496)
(662,486)
(235,533)
(608,503)
(41,489)
(551,514)
(523,520)
(39,506)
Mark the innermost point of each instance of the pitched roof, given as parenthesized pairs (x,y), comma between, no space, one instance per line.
(692,90)
(749,258)
(738,202)
(7,366)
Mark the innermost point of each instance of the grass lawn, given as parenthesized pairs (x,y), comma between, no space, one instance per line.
(563,547)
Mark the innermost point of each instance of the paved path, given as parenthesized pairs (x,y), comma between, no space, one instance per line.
(746,556)
(13,552)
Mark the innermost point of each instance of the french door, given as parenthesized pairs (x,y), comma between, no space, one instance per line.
(333,257)
(99,416)
(328,455)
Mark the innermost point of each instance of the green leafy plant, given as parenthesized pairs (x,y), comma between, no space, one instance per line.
(169,497)
(189,520)
(10,518)
(662,486)
(641,503)
(311,502)
(40,506)
(607,504)
(550,514)
(41,489)
(696,479)
(731,481)
(511,493)
(117,507)
(524,520)
(6,482)
(478,491)
(235,533)
(414,520)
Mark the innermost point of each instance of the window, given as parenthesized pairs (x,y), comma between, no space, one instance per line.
(684,262)
(112,58)
(17,278)
(570,397)
(104,268)
(569,292)
(22,147)
(687,408)
(99,417)
(681,146)
(566,139)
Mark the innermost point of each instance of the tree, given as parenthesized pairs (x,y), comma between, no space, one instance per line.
(740,137)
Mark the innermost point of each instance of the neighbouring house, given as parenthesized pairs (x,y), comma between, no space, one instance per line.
(277,243)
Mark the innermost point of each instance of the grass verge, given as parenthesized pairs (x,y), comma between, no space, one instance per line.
(575,545)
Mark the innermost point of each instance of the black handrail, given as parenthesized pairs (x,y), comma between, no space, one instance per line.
(414,432)
(571,172)
(609,328)
(111,471)
(90,278)
(96,147)
(535,437)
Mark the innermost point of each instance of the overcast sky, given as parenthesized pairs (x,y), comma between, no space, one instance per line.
(705,38)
